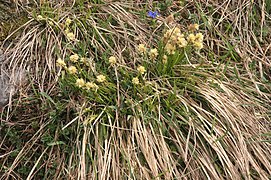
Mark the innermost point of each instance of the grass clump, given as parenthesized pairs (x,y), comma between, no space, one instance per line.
(110,96)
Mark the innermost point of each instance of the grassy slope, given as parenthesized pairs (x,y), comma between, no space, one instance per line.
(206,117)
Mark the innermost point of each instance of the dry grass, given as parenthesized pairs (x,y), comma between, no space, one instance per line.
(219,129)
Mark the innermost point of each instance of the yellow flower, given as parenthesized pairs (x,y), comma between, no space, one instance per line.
(91,85)
(180,35)
(173,34)
(112,60)
(135,81)
(80,82)
(167,34)
(153,53)
(51,23)
(141,69)
(191,38)
(39,17)
(60,62)
(74,58)
(68,21)
(199,37)
(198,45)
(164,60)
(176,31)
(198,42)
(170,48)
(182,42)
(70,36)
(72,70)
(101,78)
(141,48)
(83,60)
(67,30)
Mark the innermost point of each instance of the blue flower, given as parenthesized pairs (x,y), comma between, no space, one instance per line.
(153,14)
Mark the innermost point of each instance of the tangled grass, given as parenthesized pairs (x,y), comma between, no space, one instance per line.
(202,114)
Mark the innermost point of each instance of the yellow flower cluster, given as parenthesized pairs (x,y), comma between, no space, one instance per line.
(88,85)
(153,53)
(175,39)
(91,85)
(196,40)
(70,35)
(73,71)
(142,49)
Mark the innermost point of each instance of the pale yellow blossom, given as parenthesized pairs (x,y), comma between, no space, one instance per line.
(60,62)
(142,48)
(68,21)
(176,30)
(135,80)
(101,78)
(167,34)
(191,38)
(91,85)
(180,35)
(182,42)
(172,34)
(141,69)
(198,45)
(67,30)
(39,17)
(72,70)
(112,60)
(199,37)
(170,48)
(51,23)
(70,36)
(153,53)
(74,58)
(80,82)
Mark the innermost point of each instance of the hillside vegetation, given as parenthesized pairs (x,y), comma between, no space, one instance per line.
(138,90)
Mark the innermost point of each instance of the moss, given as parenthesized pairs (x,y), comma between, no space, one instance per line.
(10,19)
